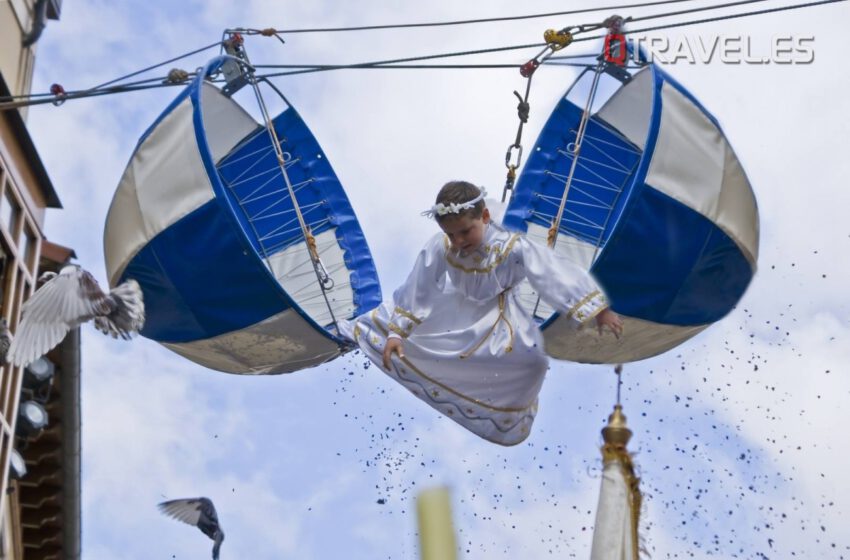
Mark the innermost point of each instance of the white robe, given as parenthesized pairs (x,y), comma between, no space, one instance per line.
(471,351)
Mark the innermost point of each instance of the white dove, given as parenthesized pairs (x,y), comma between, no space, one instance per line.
(65,301)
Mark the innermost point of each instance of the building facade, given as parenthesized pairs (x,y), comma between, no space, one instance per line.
(39,511)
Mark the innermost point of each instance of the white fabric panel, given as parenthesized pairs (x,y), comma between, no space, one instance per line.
(169,168)
(689,155)
(612,532)
(577,251)
(574,249)
(641,339)
(294,271)
(226,123)
(165,180)
(737,211)
(124,233)
(693,163)
(629,110)
(282,343)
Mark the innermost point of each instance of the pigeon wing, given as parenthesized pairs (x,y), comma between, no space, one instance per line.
(128,311)
(64,302)
(187,510)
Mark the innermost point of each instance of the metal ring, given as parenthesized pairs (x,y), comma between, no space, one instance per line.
(509,153)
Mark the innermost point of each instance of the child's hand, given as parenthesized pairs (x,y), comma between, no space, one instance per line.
(393,345)
(608,318)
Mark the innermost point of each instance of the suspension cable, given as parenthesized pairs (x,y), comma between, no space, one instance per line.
(11,102)
(143,70)
(362,65)
(82,94)
(161,80)
(390,67)
(695,10)
(722,18)
(465,21)
(386,62)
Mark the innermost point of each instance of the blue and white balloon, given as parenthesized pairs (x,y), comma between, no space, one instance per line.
(659,209)
(203,221)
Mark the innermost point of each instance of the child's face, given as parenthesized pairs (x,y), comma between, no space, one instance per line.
(465,232)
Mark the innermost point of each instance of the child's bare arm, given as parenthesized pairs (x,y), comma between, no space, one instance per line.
(609,318)
(393,345)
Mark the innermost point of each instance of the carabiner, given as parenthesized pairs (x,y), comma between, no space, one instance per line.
(509,153)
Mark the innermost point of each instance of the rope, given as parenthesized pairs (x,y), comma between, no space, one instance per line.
(555,41)
(271,32)
(618,370)
(614,25)
(523,110)
(553,231)
(177,76)
(325,281)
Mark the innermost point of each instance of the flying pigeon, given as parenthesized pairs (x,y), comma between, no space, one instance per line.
(199,512)
(67,300)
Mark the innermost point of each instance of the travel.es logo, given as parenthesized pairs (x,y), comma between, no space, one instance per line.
(726,49)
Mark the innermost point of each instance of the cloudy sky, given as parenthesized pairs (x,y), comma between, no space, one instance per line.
(738,432)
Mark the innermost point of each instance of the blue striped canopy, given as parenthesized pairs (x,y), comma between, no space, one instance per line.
(203,220)
(659,209)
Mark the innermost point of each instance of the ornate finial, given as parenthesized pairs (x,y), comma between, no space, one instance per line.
(617,432)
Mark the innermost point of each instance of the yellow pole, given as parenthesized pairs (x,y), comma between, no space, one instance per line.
(436,534)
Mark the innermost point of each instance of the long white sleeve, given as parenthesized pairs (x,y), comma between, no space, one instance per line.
(414,299)
(562,283)
(470,350)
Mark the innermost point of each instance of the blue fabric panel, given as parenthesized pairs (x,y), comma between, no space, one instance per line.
(601,181)
(671,265)
(202,277)
(201,281)
(253,182)
(660,261)
(232,211)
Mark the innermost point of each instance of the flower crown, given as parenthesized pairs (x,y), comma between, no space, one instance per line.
(441,209)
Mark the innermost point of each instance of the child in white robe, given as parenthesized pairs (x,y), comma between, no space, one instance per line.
(455,333)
